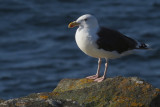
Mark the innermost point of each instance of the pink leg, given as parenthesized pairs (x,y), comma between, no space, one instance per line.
(105,71)
(98,71)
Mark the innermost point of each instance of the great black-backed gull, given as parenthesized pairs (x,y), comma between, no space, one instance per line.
(100,42)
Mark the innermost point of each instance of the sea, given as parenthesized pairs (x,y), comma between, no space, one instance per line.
(37,49)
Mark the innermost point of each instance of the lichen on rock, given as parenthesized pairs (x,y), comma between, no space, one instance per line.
(115,92)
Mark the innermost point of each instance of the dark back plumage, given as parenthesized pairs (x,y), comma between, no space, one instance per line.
(111,40)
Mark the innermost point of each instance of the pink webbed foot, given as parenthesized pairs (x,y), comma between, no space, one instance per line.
(93,77)
(100,79)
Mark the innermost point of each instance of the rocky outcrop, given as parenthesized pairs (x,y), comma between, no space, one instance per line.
(112,92)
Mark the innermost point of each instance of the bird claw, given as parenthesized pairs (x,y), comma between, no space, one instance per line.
(93,77)
(100,79)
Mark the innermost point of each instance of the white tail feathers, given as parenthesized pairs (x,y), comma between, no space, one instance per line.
(142,46)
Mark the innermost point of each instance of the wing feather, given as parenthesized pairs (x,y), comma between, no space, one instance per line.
(111,40)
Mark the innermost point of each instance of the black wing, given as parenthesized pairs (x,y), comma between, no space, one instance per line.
(111,40)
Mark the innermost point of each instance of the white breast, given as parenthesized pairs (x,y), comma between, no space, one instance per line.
(85,41)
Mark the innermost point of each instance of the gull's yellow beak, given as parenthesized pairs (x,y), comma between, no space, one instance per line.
(73,24)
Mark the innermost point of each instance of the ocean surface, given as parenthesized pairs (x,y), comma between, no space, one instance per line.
(37,49)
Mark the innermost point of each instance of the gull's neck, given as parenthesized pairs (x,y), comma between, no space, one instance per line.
(88,28)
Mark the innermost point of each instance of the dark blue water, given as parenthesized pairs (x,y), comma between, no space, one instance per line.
(37,49)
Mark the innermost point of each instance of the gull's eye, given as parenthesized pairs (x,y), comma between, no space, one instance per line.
(85,19)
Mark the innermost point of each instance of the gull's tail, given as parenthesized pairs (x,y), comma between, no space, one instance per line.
(142,46)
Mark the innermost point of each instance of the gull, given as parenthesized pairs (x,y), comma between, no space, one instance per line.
(101,42)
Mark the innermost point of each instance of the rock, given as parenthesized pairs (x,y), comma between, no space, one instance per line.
(1,100)
(112,92)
